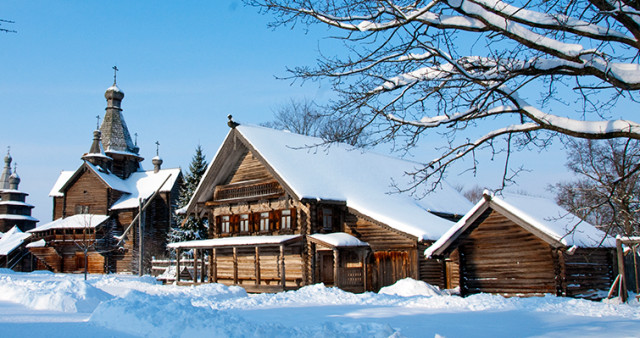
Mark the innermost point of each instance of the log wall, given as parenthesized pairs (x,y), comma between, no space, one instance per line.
(430,270)
(589,273)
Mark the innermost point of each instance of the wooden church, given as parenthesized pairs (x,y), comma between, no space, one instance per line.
(14,210)
(108,215)
(285,211)
(15,220)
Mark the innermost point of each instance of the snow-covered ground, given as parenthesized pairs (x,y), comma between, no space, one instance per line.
(116,305)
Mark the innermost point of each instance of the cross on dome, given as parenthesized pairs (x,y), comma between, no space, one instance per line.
(115,73)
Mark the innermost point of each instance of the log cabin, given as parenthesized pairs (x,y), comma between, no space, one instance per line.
(518,245)
(107,203)
(287,210)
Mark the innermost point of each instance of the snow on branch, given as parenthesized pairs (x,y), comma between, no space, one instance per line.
(466,65)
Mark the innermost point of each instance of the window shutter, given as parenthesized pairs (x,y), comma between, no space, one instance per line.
(235,223)
(294,223)
(275,219)
(218,226)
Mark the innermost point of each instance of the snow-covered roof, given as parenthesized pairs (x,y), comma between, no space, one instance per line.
(37,244)
(79,221)
(339,239)
(13,191)
(18,203)
(549,217)
(142,184)
(11,240)
(60,182)
(235,241)
(18,217)
(542,215)
(113,181)
(364,180)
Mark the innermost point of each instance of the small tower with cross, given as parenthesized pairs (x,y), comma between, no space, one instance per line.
(115,135)
(157,161)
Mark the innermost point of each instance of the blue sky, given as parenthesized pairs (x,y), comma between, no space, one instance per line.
(184,66)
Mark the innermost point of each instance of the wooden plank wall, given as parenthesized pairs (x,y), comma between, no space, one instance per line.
(452,270)
(269,266)
(589,273)
(58,203)
(248,168)
(500,257)
(87,190)
(394,257)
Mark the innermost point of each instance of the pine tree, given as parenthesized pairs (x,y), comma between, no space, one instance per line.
(193,228)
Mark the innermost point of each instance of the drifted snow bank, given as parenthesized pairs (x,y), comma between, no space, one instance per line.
(65,295)
(142,307)
(191,312)
(410,287)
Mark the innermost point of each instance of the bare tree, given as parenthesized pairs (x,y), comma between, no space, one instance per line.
(307,118)
(466,67)
(297,116)
(607,191)
(474,194)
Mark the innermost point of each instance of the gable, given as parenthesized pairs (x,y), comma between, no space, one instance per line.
(495,231)
(87,190)
(84,180)
(236,174)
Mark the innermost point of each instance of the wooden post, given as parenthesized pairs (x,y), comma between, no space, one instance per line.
(140,236)
(195,265)
(623,283)
(363,259)
(202,266)
(336,261)
(210,280)
(257,266)
(178,253)
(214,265)
(314,264)
(283,279)
(235,265)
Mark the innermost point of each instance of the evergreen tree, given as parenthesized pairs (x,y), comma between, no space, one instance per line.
(192,228)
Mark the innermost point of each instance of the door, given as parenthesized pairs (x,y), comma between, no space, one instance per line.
(326,268)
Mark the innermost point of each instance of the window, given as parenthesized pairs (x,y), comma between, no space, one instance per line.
(264,221)
(327,216)
(244,223)
(285,219)
(224,226)
(82,209)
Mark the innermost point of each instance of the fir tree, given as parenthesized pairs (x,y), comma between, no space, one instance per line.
(192,228)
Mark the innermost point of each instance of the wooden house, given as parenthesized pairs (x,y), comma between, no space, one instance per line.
(286,211)
(522,246)
(107,203)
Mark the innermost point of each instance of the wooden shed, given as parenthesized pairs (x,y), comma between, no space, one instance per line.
(350,227)
(524,246)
